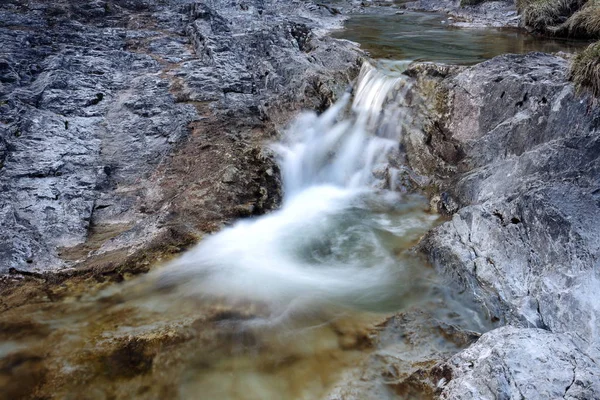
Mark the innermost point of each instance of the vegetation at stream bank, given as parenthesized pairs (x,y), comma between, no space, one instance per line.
(545,15)
(586,21)
(585,69)
(574,18)
(569,18)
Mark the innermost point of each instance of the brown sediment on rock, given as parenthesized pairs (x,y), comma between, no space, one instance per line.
(116,349)
(20,374)
(182,105)
(17,329)
(97,236)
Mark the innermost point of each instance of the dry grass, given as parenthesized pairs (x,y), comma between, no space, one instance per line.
(585,70)
(541,14)
(547,15)
(585,22)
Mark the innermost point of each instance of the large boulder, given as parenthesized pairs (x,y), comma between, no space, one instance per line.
(515,155)
(513,363)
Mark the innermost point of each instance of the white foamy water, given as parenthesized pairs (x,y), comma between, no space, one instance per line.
(340,236)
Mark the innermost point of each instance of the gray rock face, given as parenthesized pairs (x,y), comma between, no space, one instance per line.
(485,14)
(511,363)
(518,154)
(500,13)
(104,107)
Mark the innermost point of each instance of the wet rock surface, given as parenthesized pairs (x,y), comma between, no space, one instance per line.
(404,346)
(515,156)
(517,363)
(473,14)
(464,14)
(131,128)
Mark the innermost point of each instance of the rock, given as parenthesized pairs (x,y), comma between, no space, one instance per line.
(512,363)
(230,175)
(403,345)
(480,14)
(124,113)
(518,151)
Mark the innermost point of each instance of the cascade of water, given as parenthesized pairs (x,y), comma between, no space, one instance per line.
(335,239)
(326,150)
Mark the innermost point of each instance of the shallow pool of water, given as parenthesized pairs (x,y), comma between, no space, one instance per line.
(277,307)
(429,37)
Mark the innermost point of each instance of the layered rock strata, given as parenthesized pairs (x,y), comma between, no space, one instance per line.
(514,152)
(130,128)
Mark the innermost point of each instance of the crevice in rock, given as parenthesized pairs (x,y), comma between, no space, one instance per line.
(522,102)
(542,324)
(574,364)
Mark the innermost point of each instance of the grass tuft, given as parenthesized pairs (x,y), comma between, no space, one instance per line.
(585,70)
(547,15)
(585,22)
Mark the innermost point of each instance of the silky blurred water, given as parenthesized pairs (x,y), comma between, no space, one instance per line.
(341,236)
(272,307)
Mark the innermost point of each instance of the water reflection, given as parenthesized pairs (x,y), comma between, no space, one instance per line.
(428,37)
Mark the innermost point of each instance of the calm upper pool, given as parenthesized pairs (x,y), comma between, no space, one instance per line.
(429,37)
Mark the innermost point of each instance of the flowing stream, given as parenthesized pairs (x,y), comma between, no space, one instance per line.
(332,262)
(284,306)
(288,305)
(341,234)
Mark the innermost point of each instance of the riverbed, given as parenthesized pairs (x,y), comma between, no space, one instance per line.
(294,304)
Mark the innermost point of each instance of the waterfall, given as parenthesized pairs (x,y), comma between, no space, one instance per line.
(341,235)
(345,152)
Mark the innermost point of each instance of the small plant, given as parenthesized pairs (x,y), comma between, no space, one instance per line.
(585,22)
(547,15)
(585,70)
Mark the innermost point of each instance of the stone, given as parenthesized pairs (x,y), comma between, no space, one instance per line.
(523,173)
(513,363)
(230,175)
(120,117)
(495,14)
